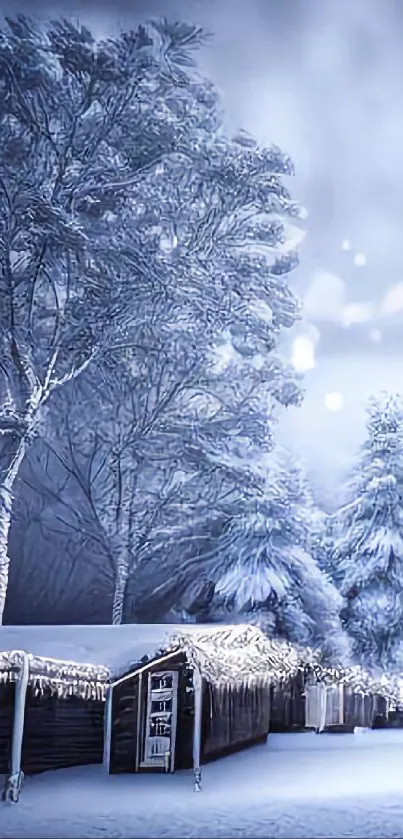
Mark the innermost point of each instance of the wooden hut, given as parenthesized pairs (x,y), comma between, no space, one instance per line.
(205,693)
(177,696)
(337,708)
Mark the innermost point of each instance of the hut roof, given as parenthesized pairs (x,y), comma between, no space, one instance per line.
(65,678)
(239,654)
(75,659)
(83,660)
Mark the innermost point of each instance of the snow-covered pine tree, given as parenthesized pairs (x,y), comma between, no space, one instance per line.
(258,567)
(318,525)
(289,465)
(368,555)
(323,534)
(266,573)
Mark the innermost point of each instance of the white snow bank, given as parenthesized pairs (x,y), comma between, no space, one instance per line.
(363,738)
(266,791)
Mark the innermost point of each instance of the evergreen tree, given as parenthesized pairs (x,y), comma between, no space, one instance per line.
(267,573)
(259,568)
(323,535)
(291,469)
(368,555)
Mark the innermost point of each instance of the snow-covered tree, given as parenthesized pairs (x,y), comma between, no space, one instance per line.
(324,532)
(74,133)
(156,461)
(268,574)
(127,218)
(117,482)
(289,467)
(368,555)
(258,567)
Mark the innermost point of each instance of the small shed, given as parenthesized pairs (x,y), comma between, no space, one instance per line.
(204,693)
(177,696)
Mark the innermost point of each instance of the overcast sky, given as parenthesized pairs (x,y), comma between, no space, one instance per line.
(324,80)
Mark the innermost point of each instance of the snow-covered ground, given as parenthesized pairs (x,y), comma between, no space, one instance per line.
(297,785)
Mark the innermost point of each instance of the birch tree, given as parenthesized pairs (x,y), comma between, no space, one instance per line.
(116,488)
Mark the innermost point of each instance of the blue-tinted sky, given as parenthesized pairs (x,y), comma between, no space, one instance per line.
(324,80)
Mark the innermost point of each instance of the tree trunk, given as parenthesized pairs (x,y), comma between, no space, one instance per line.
(122,576)
(6,503)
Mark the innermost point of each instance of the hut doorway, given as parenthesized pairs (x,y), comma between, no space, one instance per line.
(161,721)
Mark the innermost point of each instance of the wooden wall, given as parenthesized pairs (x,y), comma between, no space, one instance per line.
(61,732)
(233,718)
(382,718)
(6,724)
(394,719)
(124,723)
(358,710)
(288,705)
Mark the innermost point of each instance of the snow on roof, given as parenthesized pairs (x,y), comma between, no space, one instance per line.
(94,655)
(77,659)
(83,660)
(240,654)
(110,646)
(65,678)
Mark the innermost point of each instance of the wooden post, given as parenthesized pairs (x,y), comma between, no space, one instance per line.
(197,727)
(341,703)
(138,725)
(322,707)
(16,777)
(108,728)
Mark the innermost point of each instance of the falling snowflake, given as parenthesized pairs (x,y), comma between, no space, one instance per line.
(393,300)
(360,260)
(303,353)
(357,313)
(375,335)
(334,401)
